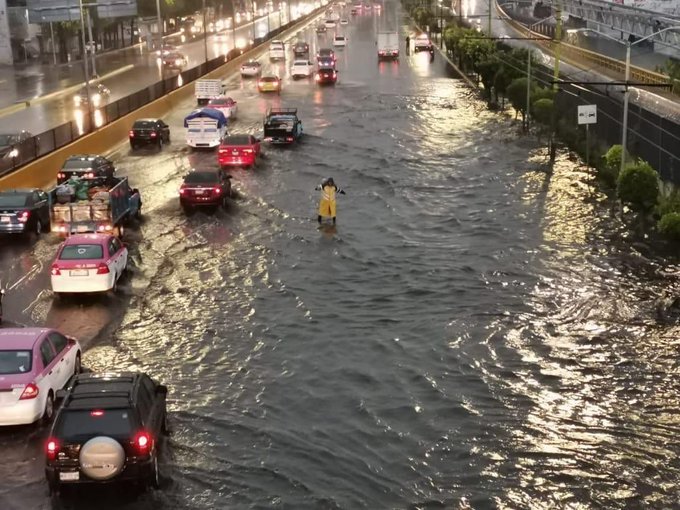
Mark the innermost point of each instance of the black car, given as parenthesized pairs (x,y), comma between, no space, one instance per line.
(24,211)
(108,429)
(233,53)
(149,131)
(86,166)
(301,49)
(325,53)
(321,29)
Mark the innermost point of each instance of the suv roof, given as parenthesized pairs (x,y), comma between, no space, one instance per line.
(103,390)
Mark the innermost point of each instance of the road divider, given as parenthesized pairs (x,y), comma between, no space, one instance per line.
(42,172)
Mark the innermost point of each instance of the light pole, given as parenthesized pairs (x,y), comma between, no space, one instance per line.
(160,32)
(87,70)
(205,34)
(626,92)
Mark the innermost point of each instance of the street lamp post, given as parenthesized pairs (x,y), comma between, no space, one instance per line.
(87,70)
(160,31)
(205,34)
(626,92)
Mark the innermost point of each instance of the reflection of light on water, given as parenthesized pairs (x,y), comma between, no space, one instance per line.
(98,118)
(80,121)
(180,81)
(183,38)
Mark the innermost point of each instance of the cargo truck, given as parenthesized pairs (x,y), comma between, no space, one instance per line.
(388,45)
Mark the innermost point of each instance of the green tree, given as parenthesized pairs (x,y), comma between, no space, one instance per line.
(542,110)
(669,225)
(517,95)
(638,185)
(501,82)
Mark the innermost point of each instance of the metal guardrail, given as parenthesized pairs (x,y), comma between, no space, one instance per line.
(14,157)
(578,55)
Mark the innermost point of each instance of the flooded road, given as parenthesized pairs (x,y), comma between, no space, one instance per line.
(474,333)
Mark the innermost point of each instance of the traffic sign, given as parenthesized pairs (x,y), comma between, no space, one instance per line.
(587,114)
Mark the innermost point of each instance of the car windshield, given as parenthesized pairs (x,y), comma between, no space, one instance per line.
(81,252)
(220,101)
(78,163)
(96,422)
(339,38)
(13,200)
(8,140)
(252,64)
(300,63)
(325,52)
(144,124)
(15,362)
(270,78)
(236,140)
(201,178)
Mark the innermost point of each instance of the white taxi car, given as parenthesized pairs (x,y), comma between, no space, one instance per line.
(89,263)
(226,105)
(34,364)
(301,69)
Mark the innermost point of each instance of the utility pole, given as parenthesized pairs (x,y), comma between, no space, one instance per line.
(489,22)
(558,43)
(93,45)
(528,87)
(87,70)
(160,30)
(54,48)
(205,34)
(233,23)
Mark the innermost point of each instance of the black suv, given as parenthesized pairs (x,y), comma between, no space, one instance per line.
(149,131)
(86,166)
(108,429)
(300,49)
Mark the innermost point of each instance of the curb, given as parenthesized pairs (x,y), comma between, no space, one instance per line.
(40,99)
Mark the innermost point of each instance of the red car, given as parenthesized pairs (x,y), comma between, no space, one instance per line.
(238,150)
(205,188)
(326,76)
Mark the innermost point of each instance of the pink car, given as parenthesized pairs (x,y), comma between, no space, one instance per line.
(34,364)
(89,263)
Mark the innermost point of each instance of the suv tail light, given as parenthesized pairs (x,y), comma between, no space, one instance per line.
(23,216)
(30,391)
(61,175)
(153,134)
(132,134)
(89,175)
(142,443)
(103,269)
(56,271)
(51,448)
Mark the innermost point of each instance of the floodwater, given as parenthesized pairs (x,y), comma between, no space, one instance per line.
(474,333)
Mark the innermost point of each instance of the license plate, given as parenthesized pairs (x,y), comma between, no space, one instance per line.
(81,228)
(72,476)
(235,153)
(4,219)
(199,192)
(78,272)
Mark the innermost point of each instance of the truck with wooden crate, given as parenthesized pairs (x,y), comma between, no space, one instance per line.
(105,205)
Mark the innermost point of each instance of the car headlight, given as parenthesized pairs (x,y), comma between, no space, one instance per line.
(96,99)
(13,153)
(77,100)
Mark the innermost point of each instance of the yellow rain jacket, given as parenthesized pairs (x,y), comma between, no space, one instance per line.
(327,202)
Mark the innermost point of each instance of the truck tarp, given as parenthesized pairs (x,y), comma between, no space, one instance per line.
(209,113)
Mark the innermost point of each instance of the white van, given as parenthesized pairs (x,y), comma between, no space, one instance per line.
(277,51)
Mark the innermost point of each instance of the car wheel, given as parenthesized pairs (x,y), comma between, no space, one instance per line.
(160,143)
(38,227)
(187,209)
(114,288)
(165,430)
(48,413)
(53,487)
(78,365)
(154,477)
(133,146)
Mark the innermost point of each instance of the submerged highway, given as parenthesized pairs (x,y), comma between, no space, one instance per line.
(474,333)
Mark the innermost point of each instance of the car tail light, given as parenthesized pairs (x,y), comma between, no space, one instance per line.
(104,228)
(23,216)
(142,443)
(30,391)
(97,413)
(289,138)
(217,190)
(132,134)
(89,175)
(182,190)
(61,175)
(103,269)
(153,134)
(51,448)
(56,271)
(318,77)
(223,150)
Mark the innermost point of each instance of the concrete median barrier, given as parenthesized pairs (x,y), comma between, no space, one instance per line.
(42,173)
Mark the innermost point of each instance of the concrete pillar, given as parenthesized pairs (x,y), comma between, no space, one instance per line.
(5,44)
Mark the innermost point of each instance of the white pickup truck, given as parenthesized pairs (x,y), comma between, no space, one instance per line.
(205,90)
